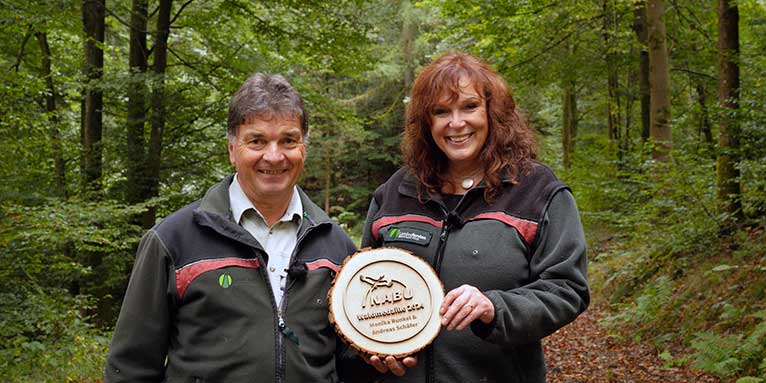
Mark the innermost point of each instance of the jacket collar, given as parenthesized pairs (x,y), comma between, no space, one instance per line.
(214,211)
(409,185)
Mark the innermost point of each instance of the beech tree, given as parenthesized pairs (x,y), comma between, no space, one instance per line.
(91,128)
(728,95)
(659,79)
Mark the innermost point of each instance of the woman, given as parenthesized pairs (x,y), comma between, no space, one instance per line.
(502,232)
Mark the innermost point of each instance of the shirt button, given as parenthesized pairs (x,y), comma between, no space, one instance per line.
(272,269)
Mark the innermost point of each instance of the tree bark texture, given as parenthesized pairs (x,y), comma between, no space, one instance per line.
(728,94)
(706,128)
(59,173)
(159,66)
(639,26)
(613,100)
(91,128)
(136,118)
(570,122)
(659,73)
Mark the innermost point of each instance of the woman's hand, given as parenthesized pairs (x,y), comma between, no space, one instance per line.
(464,305)
(397,367)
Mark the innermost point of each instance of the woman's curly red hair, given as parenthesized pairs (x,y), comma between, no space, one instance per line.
(510,146)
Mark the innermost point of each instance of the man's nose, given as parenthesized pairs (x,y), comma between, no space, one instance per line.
(273,152)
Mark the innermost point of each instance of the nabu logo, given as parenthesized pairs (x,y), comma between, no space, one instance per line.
(391,291)
(224,280)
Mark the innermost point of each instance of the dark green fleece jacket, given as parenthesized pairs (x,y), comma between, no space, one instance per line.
(525,251)
(199,306)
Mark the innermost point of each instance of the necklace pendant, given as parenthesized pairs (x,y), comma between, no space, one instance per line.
(467,183)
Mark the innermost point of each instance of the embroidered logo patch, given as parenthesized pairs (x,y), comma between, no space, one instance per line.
(224,280)
(406,234)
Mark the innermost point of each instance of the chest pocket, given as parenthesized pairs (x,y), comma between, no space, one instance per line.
(394,234)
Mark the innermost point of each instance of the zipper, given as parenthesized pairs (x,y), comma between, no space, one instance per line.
(430,376)
(278,342)
(446,228)
(285,331)
(442,241)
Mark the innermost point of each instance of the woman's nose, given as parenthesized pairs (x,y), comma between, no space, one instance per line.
(456,119)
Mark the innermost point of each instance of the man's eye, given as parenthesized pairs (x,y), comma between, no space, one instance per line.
(290,142)
(257,142)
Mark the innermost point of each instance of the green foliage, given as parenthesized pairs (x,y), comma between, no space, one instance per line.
(727,355)
(46,338)
(656,250)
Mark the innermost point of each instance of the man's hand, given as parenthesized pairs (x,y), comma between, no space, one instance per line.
(397,367)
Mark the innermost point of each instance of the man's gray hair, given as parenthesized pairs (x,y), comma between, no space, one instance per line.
(266,96)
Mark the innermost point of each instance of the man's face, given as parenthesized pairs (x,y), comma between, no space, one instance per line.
(269,156)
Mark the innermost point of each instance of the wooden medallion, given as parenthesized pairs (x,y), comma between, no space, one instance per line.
(386,301)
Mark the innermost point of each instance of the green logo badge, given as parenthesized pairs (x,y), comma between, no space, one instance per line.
(224,280)
(408,234)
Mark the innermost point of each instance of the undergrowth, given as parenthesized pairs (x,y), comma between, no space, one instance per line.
(661,259)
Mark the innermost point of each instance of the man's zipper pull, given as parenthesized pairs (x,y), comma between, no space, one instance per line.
(288,332)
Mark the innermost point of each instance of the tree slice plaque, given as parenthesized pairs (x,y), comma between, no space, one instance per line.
(385,301)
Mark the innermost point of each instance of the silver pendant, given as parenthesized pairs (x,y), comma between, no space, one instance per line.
(467,183)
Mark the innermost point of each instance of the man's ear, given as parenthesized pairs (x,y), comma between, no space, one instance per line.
(230,144)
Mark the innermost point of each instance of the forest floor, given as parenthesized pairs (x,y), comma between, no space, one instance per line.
(584,352)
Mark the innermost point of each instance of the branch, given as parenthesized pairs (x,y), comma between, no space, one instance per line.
(179,12)
(558,42)
(693,24)
(120,20)
(20,56)
(544,51)
(689,71)
(123,22)
(536,11)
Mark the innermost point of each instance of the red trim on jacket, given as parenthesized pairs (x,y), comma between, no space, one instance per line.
(322,262)
(186,274)
(385,221)
(527,229)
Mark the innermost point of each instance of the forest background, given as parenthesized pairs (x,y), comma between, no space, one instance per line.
(112,115)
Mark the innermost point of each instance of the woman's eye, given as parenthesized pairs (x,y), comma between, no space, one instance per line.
(439,112)
(472,106)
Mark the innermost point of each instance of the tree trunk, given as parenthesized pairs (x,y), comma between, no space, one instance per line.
(630,98)
(137,62)
(154,157)
(59,174)
(706,128)
(612,104)
(570,122)
(409,33)
(639,26)
(327,180)
(728,94)
(659,73)
(91,128)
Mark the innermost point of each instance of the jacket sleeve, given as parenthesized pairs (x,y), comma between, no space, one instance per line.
(558,291)
(140,341)
(367,239)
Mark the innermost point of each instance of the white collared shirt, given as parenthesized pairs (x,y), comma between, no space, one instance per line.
(279,240)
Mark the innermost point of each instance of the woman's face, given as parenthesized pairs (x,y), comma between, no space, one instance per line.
(459,128)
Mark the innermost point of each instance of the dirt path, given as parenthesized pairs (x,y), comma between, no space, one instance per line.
(583,352)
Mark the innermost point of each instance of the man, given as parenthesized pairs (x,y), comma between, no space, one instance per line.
(233,288)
